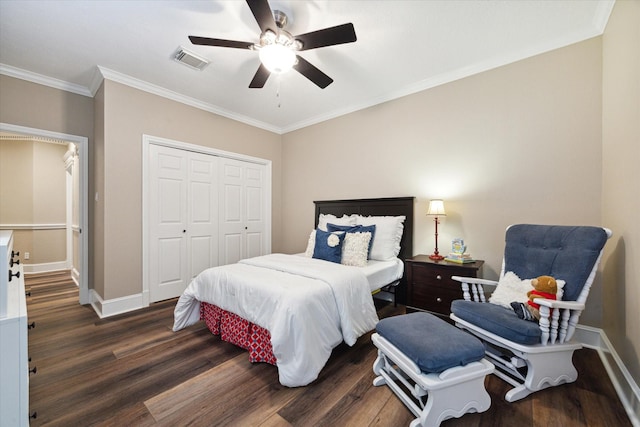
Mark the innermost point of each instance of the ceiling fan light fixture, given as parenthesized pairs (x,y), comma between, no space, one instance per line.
(277,58)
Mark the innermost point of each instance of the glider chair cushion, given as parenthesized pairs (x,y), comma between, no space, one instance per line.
(418,334)
(564,252)
(498,320)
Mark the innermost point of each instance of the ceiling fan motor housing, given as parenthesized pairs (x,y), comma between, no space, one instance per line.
(281,18)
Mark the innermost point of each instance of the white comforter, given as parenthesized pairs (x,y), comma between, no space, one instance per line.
(309,306)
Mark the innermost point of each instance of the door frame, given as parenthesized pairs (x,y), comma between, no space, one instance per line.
(147,140)
(83,220)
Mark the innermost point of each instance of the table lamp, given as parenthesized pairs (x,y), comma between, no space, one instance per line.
(436,209)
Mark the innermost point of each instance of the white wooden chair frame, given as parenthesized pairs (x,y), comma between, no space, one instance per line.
(548,363)
(436,397)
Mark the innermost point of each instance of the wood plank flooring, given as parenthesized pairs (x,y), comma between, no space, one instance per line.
(132,370)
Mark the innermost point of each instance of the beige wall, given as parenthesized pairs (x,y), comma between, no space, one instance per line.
(33,193)
(520,143)
(32,105)
(620,178)
(130,113)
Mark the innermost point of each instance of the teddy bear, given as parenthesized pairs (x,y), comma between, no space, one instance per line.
(543,287)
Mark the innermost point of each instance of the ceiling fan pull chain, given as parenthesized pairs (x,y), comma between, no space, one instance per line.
(278,90)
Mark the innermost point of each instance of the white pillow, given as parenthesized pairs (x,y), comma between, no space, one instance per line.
(311,244)
(355,249)
(511,288)
(386,240)
(324,219)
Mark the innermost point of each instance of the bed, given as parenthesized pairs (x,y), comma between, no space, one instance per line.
(292,310)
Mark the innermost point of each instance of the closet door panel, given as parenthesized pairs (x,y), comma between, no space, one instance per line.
(183,215)
(232,226)
(168,222)
(202,228)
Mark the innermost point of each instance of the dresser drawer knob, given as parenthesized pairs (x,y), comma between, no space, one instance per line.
(439,277)
(439,299)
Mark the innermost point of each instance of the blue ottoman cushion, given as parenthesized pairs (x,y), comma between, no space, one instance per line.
(431,343)
(499,320)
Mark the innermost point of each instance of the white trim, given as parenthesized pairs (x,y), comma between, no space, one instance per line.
(29,76)
(75,276)
(33,226)
(82,144)
(626,387)
(112,307)
(45,267)
(174,96)
(156,140)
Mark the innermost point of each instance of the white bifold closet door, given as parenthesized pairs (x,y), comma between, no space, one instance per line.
(183,218)
(242,216)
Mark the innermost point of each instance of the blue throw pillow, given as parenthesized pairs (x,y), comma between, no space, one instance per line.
(356,229)
(328,246)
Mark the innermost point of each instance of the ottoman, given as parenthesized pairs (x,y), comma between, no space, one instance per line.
(435,369)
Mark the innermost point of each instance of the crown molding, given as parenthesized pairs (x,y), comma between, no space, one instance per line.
(601,17)
(29,76)
(174,96)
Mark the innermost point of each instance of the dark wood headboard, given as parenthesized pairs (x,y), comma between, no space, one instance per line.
(393,206)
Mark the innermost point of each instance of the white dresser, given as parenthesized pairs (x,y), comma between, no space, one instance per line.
(14,358)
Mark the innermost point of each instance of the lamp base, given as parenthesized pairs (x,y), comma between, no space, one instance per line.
(436,257)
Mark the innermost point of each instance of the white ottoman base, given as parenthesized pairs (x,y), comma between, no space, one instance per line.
(434,397)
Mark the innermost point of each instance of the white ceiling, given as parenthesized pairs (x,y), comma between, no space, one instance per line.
(402,47)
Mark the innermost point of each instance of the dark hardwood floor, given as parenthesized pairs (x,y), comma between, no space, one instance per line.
(132,370)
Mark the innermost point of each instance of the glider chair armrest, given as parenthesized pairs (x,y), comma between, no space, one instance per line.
(473,288)
(558,319)
(571,305)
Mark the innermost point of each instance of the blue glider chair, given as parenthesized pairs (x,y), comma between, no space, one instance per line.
(529,355)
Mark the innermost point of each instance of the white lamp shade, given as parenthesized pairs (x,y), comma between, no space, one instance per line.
(277,58)
(436,207)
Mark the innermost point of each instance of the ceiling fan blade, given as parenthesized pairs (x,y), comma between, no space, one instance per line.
(312,73)
(206,41)
(260,77)
(264,17)
(339,34)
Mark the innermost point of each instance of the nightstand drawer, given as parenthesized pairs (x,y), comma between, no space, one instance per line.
(436,298)
(429,283)
(435,276)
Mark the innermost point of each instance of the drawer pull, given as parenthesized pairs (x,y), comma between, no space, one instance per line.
(34,415)
(12,275)
(439,277)
(439,299)
(34,370)
(31,325)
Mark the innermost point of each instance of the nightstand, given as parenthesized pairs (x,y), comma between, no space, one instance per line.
(429,284)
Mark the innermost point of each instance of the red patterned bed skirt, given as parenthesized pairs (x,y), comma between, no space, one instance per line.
(238,331)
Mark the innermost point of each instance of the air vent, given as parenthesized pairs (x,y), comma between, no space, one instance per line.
(190,59)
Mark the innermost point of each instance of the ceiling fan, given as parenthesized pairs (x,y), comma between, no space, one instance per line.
(277,48)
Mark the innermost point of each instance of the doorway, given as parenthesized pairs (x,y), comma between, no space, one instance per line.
(82,146)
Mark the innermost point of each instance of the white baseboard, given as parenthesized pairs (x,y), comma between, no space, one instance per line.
(75,276)
(46,267)
(627,389)
(112,307)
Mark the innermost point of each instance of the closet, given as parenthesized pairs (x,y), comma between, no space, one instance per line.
(204,210)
